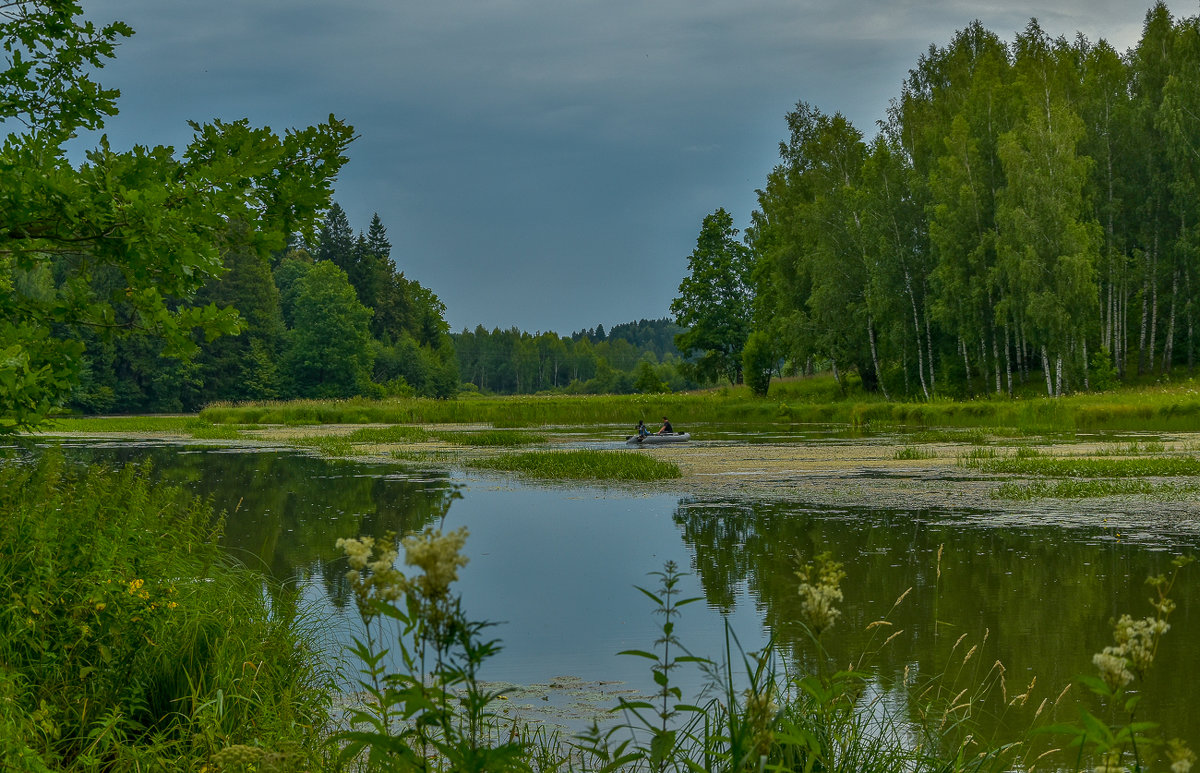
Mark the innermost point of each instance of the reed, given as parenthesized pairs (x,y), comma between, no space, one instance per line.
(913,453)
(803,401)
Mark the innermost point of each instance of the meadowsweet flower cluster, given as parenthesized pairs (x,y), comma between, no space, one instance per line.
(439,557)
(373,573)
(1180,756)
(820,588)
(1136,642)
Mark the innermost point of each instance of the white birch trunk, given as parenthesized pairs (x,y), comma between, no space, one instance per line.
(1008,364)
(1046,370)
(1154,305)
(1169,343)
(917,329)
(875,359)
(962,347)
(1086,387)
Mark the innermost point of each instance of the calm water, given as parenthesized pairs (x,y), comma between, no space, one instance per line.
(557,565)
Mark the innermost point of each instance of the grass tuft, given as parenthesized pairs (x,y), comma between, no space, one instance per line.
(582,465)
(913,453)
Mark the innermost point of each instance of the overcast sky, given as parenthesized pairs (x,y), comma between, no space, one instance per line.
(546,163)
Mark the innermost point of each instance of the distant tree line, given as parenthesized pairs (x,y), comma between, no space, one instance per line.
(330,318)
(631,357)
(1028,214)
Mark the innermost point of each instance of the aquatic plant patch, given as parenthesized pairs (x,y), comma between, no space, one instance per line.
(395,434)
(328,445)
(1074,467)
(582,465)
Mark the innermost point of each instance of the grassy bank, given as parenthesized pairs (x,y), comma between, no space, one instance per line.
(128,641)
(815,400)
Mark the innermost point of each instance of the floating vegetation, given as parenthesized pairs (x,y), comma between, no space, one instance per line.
(581,465)
(424,457)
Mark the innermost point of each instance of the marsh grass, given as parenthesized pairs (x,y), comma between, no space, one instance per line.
(581,465)
(977,436)
(215,432)
(976,455)
(393,434)
(913,453)
(1131,449)
(179,424)
(327,445)
(815,400)
(129,642)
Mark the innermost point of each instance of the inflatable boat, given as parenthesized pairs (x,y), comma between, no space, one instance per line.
(668,437)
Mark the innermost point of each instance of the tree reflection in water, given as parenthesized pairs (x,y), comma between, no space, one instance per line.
(1044,596)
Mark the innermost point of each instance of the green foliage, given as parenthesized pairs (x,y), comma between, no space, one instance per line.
(516,362)
(126,636)
(646,380)
(1027,215)
(120,244)
(582,465)
(715,301)
(329,353)
(759,361)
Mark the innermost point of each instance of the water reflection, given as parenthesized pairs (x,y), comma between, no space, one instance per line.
(284,511)
(1043,595)
(557,564)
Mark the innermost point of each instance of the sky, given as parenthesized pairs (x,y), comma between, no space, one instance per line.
(546,164)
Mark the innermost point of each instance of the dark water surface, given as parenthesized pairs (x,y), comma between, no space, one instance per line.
(557,566)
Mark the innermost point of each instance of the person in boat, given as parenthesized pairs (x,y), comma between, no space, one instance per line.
(641,429)
(666,429)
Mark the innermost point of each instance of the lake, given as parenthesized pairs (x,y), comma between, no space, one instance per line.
(556,566)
